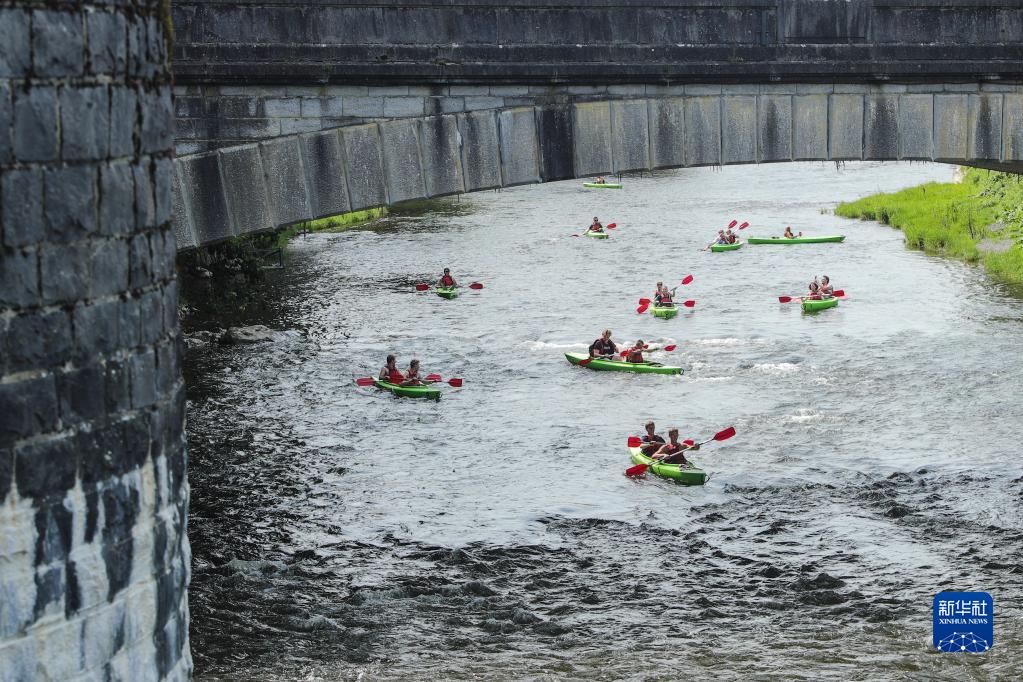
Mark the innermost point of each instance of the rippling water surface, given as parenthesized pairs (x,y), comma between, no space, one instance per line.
(340,532)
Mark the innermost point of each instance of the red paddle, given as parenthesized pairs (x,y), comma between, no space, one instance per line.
(368,381)
(719,436)
(422,287)
(733,224)
(475,285)
(689,304)
(744,226)
(642,308)
(644,301)
(611,226)
(687,279)
(786,299)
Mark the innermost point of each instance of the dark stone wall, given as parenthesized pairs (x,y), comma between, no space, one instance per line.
(94,561)
(444,42)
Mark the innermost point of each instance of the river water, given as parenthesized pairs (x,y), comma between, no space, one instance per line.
(341,533)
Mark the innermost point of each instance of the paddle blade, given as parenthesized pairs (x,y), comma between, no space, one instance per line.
(726,434)
(784,299)
(364,381)
(455,382)
(612,226)
(744,226)
(839,292)
(670,348)
(475,285)
(637,470)
(689,441)
(642,308)
(733,224)
(433,377)
(644,301)
(422,287)
(687,279)
(635,441)
(689,304)
(575,235)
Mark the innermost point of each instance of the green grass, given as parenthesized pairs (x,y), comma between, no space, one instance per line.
(337,223)
(951,218)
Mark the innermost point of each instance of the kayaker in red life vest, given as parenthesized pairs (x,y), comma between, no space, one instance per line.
(826,287)
(603,347)
(636,352)
(447,280)
(730,236)
(596,225)
(788,233)
(652,442)
(390,371)
(412,374)
(663,297)
(815,291)
(671,452)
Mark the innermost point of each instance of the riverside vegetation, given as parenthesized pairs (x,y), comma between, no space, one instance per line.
(977,220)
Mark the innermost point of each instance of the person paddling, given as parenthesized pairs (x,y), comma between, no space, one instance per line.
(603,347)
(600,180)
(788,233)
(672,451)
(663,297)
(721,239)
(826,287)
(596,225)
(651,441)
(730,236)
(412,374)
(447,280)
(815,291)
(390,372)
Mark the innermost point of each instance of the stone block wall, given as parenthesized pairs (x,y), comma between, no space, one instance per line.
(94,560)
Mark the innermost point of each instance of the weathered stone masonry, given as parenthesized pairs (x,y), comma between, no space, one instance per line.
(94,560)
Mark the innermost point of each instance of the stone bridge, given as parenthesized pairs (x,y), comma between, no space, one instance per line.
(293,110)
(261,186)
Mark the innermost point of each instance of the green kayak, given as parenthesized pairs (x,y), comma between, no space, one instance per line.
(409,391)
(797,240)
(666,312)
(596,235)
(447,292)
(618,366)
(812,306)
(603,185)
(684,474)
(718,248)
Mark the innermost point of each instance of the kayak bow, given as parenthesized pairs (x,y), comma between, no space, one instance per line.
(684,474)
(596,235)
(617,366)
(812,306)
(447,292)
(603,185)
(409,391)
(718,248)
(665,312)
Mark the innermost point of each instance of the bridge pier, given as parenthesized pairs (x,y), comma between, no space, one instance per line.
(94,560)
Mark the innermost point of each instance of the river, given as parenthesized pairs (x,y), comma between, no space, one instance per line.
(341,533)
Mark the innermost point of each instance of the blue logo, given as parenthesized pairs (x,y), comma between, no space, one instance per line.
(963,621)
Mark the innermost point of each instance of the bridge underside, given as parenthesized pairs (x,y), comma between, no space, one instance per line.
(265,185)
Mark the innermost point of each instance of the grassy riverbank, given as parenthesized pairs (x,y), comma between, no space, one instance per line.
(977,220)
(337,223)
